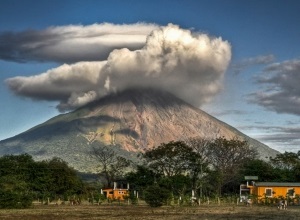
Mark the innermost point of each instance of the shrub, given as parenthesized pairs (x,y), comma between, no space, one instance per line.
(132,197)
(99,198)
(156,196)
(10,199)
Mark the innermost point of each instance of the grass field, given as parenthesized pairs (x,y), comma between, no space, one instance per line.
(209,212)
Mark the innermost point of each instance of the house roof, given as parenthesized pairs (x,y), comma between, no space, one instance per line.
(276,184)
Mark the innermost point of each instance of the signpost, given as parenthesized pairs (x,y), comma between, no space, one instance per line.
(251,177)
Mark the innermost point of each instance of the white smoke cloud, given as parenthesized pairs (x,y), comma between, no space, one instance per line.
(77,100)
(189,65)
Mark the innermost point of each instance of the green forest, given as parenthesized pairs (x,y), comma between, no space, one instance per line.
(209,168)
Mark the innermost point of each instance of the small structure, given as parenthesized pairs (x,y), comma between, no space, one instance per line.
(118,192)
(246,189)
(272,191)
(276,189)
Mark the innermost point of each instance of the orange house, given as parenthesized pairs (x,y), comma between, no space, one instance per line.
(270,190)
(118,192)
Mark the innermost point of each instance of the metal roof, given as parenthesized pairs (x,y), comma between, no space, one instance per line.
(276,184)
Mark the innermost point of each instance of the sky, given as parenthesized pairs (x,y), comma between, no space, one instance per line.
(237,60)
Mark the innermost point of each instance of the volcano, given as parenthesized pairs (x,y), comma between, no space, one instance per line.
(131,121)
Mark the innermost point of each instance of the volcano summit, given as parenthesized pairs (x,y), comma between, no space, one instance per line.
(131,121)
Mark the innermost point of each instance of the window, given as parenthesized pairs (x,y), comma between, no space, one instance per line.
(291,192)
(269,192)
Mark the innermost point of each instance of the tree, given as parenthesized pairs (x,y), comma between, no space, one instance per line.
(286,161)
(287,166)
(64,179)
(16,165)
(200,165)
(14,192)
(156,196)
(141,178)
(15,189)
(111,165)
(174,162)
(227,158)
(170,159)
(256,167)
(42,182)
(22,179)
(179,185)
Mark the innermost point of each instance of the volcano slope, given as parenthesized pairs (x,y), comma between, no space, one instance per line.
(131,121)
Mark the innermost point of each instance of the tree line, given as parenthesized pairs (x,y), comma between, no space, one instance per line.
(196,168)
(23,180)
(202,168)
(174,171)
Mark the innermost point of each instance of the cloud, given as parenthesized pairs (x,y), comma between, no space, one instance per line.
(65,83)
(244,64)
(288,142)
(281,91)
(285,136)
(229,112)
(189,65)
(72,43)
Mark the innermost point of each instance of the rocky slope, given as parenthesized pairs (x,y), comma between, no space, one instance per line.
(131,121)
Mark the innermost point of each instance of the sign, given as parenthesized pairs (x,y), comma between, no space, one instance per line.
(251,177)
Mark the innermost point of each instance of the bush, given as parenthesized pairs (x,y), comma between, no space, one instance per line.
(156,196)
(99,198)
(132,197)
(11,199)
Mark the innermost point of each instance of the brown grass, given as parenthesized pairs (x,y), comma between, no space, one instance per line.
(125,212)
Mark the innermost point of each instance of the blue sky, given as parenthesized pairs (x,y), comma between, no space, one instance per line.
(259,94)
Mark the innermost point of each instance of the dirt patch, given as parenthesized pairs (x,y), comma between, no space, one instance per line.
(209,212)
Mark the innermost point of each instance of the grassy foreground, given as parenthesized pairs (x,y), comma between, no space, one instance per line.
(207,212)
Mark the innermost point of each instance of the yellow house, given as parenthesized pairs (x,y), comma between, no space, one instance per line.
(118,192)
(272,191)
